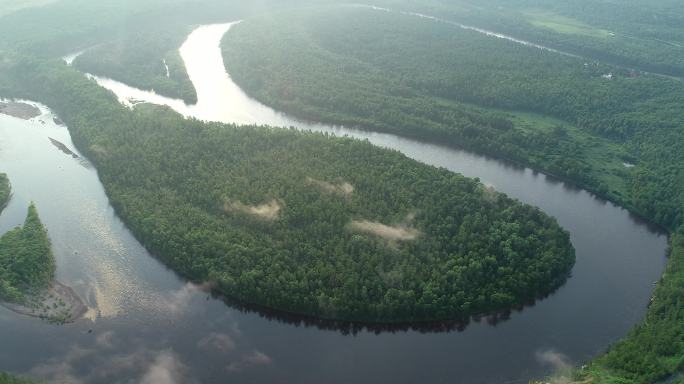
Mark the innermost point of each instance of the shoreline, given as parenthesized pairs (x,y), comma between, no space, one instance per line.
(59,304)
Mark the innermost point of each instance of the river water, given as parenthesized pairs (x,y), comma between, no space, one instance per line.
(148,325)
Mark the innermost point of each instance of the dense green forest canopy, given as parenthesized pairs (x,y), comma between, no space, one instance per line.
(303,222)
(26,260)
(372,69)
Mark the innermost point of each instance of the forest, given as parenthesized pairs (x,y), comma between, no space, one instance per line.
(128,66)
(330,227)
(26,260)
(641,35)
(463,88)
(140,53)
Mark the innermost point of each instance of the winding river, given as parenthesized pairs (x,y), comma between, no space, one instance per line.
(146,324)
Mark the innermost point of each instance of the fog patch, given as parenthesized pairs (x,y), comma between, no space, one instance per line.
(559,362)
(99,150)
(397,233)
(269,211)
(489,192)
(250,360)
(342,188)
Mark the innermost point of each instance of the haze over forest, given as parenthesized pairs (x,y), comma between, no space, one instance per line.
(307,191)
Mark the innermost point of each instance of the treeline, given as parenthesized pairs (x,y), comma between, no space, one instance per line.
(252,210)
(9,379)
(374,70)
(5,191)
(26,260)
(654,349)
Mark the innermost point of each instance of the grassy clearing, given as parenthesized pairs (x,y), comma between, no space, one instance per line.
(10,6)
(605,157)
(564,25)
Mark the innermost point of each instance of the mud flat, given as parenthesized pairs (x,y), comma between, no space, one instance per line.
(58,304)
(18,109)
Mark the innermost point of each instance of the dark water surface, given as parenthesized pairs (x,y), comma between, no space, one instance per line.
(150,326)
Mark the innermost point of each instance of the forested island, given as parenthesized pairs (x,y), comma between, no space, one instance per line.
(26,260)
(27,268)
(328,227)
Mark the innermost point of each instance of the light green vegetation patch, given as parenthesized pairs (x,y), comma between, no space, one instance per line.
(9,379)
(565,25)
(606,158)
(10,6)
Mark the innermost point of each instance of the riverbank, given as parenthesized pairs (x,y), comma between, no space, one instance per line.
(5,191)
(57,304)
(653,350)
(8,379)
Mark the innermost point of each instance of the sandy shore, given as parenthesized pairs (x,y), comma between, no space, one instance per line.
(20,110)
(58,304)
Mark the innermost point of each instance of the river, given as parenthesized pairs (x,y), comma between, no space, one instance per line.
(148,325)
